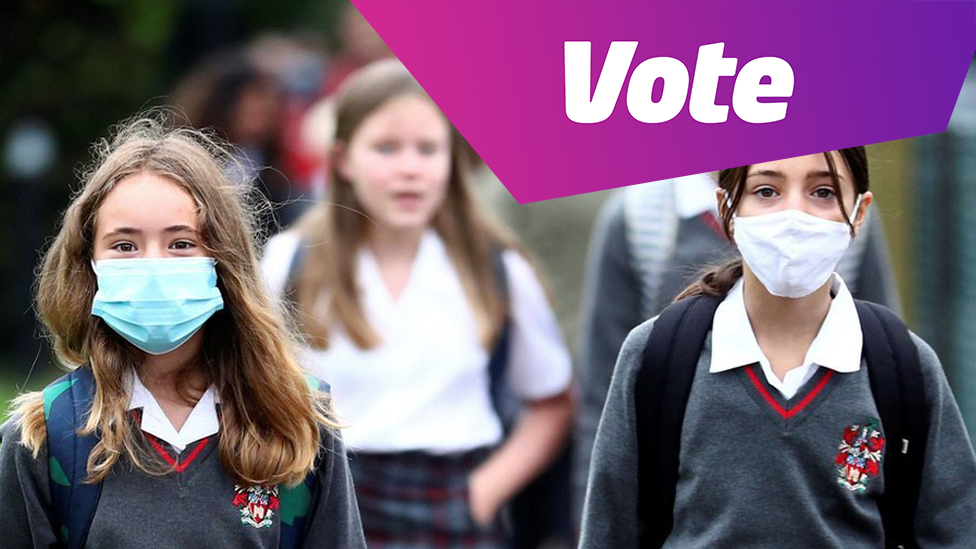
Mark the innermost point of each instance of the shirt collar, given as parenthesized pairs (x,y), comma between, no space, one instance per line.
(837,345)
(202,422)
(695,195)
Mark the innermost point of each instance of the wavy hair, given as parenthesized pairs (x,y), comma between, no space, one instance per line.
(271,421)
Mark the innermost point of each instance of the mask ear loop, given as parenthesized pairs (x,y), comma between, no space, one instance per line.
(852,217)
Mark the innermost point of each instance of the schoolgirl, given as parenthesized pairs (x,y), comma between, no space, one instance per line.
(778,425)
(200,426)
(407,295)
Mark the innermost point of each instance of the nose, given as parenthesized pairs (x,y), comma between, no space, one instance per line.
(797,200)
(154,250)
(410,162)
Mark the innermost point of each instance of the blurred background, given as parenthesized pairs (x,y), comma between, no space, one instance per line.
(261,73)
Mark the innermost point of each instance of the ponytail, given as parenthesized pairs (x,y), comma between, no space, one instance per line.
(716,281)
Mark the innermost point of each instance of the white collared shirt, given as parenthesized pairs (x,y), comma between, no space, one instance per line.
(425,385)
(201,423)
(695,195)
(837,345)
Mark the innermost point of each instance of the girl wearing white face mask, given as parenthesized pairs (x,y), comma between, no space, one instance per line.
(768,406)
(185,420)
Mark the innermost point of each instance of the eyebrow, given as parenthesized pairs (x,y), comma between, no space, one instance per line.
(134,231)
(780,175)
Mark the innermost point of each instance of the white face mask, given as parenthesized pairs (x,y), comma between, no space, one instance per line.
(791,252)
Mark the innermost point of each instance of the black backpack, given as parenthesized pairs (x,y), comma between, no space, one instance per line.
(664,383)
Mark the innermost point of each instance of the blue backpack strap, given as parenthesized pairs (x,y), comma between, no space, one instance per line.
(661,393)
(297,503)
(67,403)
(896,379)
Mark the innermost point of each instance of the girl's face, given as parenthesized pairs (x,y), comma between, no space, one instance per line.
(147,216)
(801,183)
(399,162)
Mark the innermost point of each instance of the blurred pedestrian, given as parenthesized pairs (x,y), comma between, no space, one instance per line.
(422,316)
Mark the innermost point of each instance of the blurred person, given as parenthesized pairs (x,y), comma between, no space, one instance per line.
(229,94)
(423,316)
(299,65)
(359,45)
(185,394)
(552,231)
(767,405)
(652,240)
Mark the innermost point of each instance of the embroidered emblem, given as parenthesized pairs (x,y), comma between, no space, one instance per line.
(257,504)
(859,455)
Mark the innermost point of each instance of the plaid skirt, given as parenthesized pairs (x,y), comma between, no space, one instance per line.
(415,500)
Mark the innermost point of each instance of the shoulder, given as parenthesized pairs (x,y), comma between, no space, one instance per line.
(632,350)
(282,246)
(277,257)
(27,425)
(931,366)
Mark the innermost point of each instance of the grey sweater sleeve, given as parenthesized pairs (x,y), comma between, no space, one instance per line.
(25,500)
(336,520)
(946,513)
(610,511)
(610,309)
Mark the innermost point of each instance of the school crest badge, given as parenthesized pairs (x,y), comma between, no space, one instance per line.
(257,504)
(859,455)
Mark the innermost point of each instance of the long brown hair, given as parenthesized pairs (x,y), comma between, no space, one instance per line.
(326,291)
(718,280)
(270,418)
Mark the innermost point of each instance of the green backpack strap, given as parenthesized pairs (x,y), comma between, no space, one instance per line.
(297,503)
(67,403)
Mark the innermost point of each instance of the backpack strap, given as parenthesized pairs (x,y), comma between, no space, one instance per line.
(661,393)
(503,399)
(297,503)
(67,403)
(897,385)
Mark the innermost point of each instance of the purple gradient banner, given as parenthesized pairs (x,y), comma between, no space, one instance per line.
(864,72)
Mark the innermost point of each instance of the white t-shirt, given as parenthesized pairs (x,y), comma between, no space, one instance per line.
(425,386)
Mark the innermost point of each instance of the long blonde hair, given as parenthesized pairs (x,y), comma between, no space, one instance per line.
(334,231)
(271,420)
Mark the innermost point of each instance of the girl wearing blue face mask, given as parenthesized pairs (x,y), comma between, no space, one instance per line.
(766,405)
(186,420)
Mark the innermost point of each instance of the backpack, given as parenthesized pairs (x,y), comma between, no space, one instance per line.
(548,491)
(67,403)
(663,386)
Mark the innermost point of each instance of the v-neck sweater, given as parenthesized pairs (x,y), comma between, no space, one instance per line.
(758,470)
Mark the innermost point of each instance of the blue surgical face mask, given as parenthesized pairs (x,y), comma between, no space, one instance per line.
(156,304)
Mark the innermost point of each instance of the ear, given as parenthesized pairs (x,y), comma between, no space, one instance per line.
(862,211)
(721,196)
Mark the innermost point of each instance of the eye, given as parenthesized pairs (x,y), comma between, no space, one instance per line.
(428,149)
(825,193)
(385,147)
(183,245)
(124,247)
(765,192)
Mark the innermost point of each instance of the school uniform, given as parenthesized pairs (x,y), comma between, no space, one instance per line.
(195,505)
(418,410)
(765,462)
(649,243)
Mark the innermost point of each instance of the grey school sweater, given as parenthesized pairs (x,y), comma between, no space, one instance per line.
(188,509)
(750,477)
